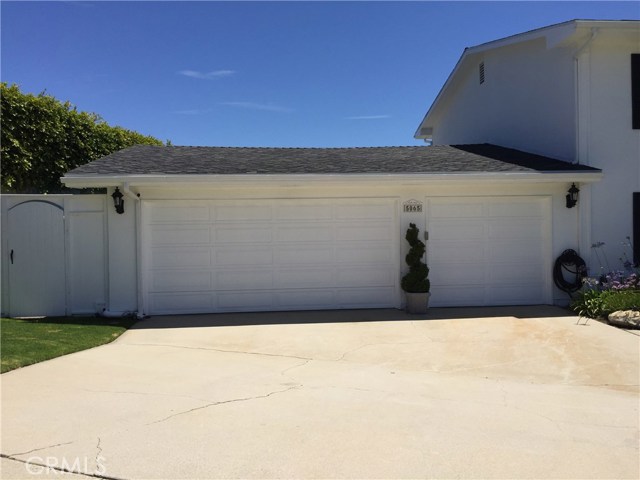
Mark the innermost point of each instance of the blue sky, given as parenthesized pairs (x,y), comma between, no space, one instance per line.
(282,74)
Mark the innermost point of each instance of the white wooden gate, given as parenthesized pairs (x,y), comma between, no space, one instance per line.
(53,254)
(36,247)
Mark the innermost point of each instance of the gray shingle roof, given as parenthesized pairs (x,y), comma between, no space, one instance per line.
(161,160)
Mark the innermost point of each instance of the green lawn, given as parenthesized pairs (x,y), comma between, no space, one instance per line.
(24,342)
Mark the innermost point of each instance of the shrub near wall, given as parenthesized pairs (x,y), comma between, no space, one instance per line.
(617,291)
(42,138)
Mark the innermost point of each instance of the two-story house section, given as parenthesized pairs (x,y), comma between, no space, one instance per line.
(570,91)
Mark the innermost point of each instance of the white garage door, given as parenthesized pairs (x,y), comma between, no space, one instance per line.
(261,255)
(489,251)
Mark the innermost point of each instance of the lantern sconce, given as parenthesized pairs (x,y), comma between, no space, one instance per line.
(572,196)
(118,201)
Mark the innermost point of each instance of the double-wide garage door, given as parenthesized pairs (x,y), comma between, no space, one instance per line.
(260,255)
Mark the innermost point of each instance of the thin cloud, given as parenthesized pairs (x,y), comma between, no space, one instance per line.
(194,111)
(368,117)
(206,75)
(270,107)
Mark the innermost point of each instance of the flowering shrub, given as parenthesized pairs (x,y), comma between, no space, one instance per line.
(611,292)
(621,281)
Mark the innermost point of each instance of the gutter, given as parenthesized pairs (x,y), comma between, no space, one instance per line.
(272,180)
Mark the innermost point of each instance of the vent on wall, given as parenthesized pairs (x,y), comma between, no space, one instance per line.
(481,73)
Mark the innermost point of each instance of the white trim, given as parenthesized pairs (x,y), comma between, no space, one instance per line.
(339,179)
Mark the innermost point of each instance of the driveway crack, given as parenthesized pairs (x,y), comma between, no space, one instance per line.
(213,404)
(284,372)
(218,350)
(38,449)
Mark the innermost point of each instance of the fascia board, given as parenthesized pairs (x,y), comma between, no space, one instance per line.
(344,179)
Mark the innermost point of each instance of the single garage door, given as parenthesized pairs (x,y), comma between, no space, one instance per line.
(261,255)
(489,250)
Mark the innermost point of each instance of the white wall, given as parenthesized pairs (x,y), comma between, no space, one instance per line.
(611,143)
(122,257)
(523,84)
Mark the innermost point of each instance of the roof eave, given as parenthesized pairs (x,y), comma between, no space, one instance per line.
(101,181)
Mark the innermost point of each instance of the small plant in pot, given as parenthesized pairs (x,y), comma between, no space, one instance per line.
(416,282)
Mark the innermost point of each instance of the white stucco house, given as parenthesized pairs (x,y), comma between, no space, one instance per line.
(213,229)
(570,91)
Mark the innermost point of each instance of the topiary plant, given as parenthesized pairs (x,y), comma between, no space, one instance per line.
(416,280)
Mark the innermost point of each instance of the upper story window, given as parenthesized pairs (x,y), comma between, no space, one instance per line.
(635,91)
(481,70)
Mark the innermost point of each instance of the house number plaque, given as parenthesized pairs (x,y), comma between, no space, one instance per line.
(412,206)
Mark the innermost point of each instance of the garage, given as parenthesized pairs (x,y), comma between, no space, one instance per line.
(232,229)
(261,255)
(490,250)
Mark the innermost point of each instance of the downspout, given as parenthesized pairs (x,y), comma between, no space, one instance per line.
(576,89)
(139,286)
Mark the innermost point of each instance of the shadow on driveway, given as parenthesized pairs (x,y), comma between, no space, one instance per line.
(346,316)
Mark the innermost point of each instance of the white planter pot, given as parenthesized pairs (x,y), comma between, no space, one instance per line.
(417,302)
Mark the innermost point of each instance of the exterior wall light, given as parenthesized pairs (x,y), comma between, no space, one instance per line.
(118,202)
(572,196)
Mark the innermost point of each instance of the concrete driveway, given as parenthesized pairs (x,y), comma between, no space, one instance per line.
(520,392)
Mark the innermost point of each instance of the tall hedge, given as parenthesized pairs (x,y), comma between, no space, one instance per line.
(43,138)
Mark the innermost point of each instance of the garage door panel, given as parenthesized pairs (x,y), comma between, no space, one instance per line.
(505,274)
(184,235)
(180,280)
(515,209)
(180,303)
(449,210)
(366,212)
(181,256)
(359,254)
(516,295)
(456,274)
(456,231)
(242,255)
(456,295)
(305,299)
(308,277)
(304,233)
(364,232)
(376,276)
(513,252)
(514,230)
(242,234)
(303,213)
(245,301)
(303,254)
(455,252)
(254,279)
(243,213)
(351,297)
(188,213)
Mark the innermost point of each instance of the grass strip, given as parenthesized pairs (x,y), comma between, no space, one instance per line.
(27,341)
